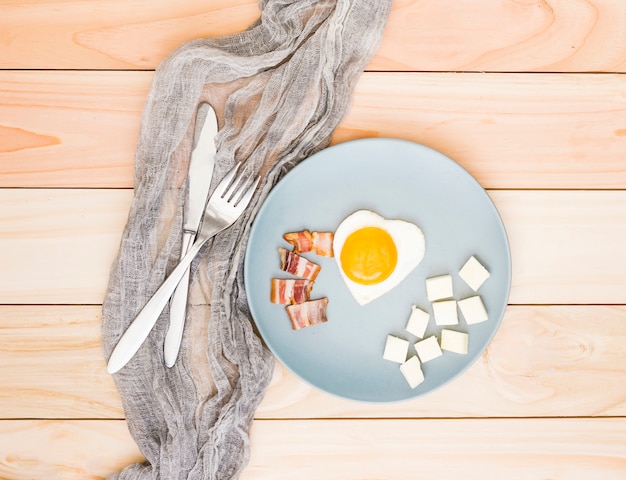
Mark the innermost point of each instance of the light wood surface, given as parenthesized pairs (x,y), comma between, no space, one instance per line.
(345,449)
(50,236)
(537,366)
(425,35)
(79,129)
(529,96)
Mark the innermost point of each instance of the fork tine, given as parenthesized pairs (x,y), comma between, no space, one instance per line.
(226,181)
(243,201)
(235,188)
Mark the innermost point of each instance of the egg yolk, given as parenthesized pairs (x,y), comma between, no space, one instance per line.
(369,256)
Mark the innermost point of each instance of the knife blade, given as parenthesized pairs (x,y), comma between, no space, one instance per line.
(199,181)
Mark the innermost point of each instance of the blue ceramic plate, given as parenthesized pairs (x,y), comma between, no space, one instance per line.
(398,180)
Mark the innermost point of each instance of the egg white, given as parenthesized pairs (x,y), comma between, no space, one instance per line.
(409,241)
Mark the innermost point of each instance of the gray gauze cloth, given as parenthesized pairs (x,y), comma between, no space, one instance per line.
(280,89)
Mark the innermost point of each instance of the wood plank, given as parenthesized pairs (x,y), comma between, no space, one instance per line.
(106,34)
(52,366)
(558,449)
(513,36)
(49,238)
(80,129)
(443,449)
(64,450)
(427,35)
(58,245)
(69,129)
(544,361)
(565,245)
(509,131)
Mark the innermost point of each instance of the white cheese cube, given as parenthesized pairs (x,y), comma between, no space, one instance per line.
(418,321)
(445,312)
(439,287)
(453,341)
(412,371)
(473,273)
(473,310)
(396,349)
(428,349)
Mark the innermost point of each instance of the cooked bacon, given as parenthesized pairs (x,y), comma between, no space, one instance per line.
(308,313)
(297,265)
(290,290)
(323,243)
(304,241)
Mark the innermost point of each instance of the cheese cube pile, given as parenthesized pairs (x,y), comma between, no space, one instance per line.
(440,294)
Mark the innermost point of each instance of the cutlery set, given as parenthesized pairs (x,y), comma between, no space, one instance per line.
(199,181)
(203,219)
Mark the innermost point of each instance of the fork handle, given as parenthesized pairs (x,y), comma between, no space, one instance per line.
(139,329)
(178,310)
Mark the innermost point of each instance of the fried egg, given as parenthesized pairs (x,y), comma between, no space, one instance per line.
(375,254)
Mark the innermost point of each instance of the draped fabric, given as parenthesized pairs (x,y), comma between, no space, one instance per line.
(280,89)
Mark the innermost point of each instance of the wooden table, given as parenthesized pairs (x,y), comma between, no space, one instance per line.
(528,95)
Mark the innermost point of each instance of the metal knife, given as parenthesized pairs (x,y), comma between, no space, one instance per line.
(199,181)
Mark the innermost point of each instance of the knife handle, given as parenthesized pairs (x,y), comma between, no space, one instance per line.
(178,310)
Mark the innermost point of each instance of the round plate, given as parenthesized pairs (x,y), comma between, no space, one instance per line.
(398,180)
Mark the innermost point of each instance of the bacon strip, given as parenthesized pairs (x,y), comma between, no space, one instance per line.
(308,313)
(320,243)
(302,241)
(290,290)
(297,265)
(323,243)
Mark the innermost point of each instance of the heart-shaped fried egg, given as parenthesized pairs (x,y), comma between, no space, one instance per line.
(375,254)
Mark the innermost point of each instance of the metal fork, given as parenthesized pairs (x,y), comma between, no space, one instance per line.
(226,204)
